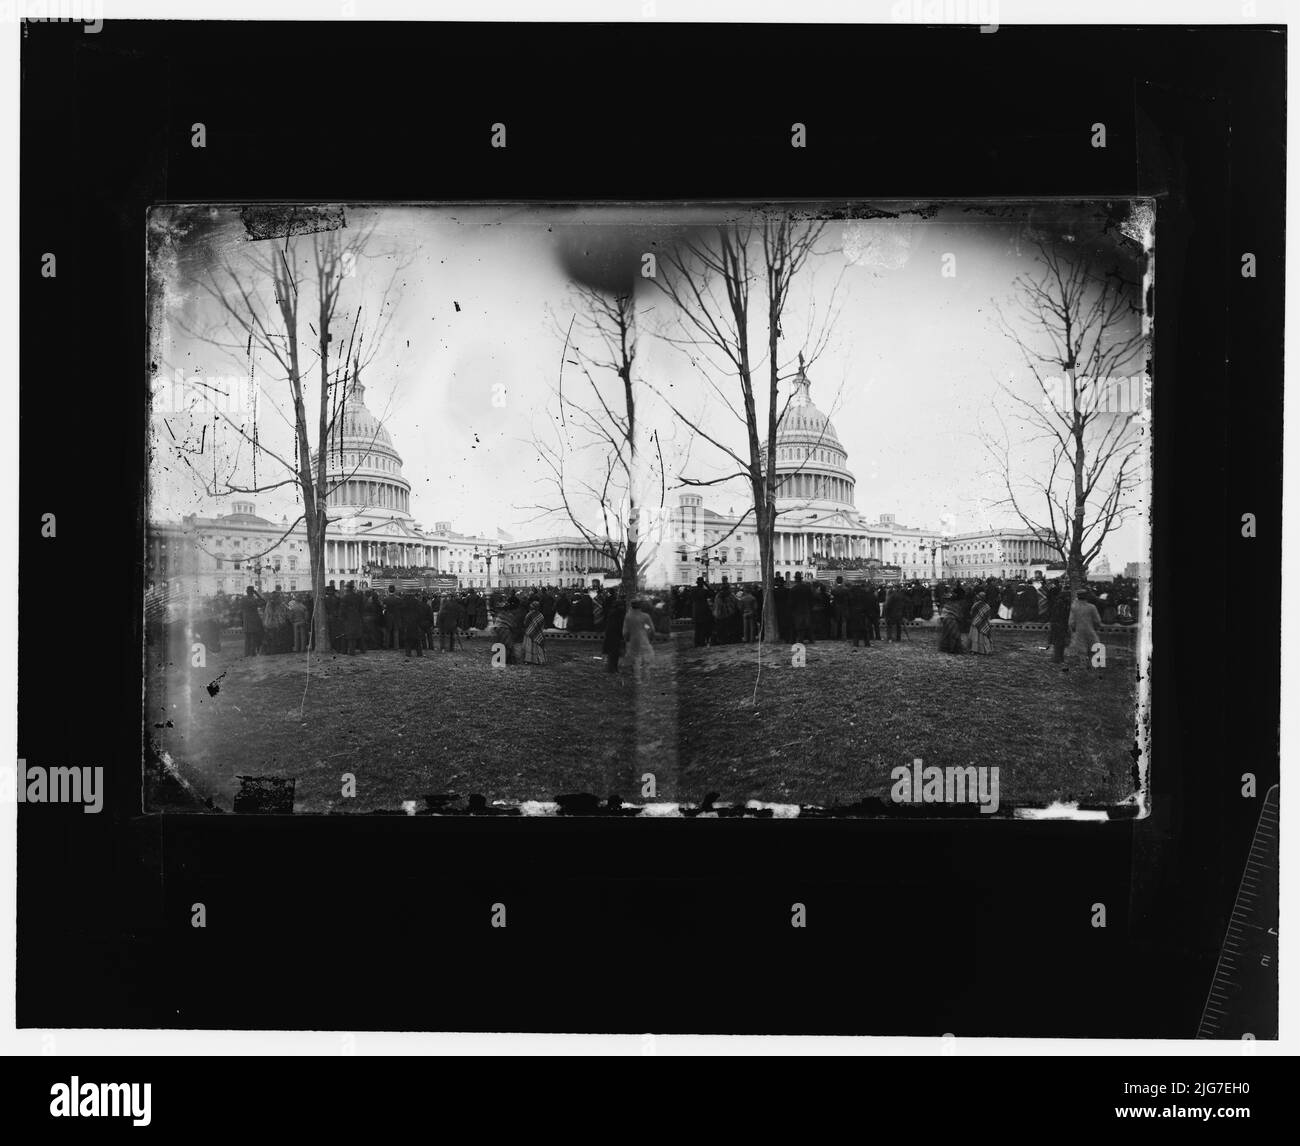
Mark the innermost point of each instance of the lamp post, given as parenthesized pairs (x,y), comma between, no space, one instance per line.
(704,561)
(935,548)
(488,556)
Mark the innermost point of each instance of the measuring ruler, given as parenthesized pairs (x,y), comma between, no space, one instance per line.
(1243,995)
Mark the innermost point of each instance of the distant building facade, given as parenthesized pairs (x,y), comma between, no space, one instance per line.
(995,553)
(371,528)
(372,531)
(561,561)
(817,524)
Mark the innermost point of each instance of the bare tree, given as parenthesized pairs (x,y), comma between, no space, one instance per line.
(1078,326)
(284,311)
(709,279)
(605,463)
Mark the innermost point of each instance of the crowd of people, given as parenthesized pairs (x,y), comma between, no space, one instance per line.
(627,626)
(361,620)
(358,620)
(806,610)
(809,610)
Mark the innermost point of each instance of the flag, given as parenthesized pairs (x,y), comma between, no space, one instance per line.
(502,535)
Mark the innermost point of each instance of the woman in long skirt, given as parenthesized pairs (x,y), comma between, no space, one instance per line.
(534,642)
(950,619)
(981,632)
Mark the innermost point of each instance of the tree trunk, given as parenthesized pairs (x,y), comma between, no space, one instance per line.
(630,562)
(316,562)
(766,536)
(1075,563)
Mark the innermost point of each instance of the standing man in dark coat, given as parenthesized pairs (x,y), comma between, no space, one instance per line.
(841,601)
(582,617)
(251,610)
(372,612)
(895,611)
(801,601)
(781,606)
(428,620)
(334,617)
(409,612)
(874,599)
(1058,622)
(820,609)
(350,611)
(856,608)
(449,619)
(922,602)
(612,646)
(702,612)
(392,618)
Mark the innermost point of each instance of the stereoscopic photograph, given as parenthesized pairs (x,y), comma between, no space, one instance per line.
(785,509)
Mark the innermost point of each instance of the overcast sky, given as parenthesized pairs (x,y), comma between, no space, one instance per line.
(481,299)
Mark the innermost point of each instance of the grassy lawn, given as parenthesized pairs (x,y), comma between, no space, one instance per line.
(708,720)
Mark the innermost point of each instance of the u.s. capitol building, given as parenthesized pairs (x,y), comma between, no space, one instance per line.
(373,531)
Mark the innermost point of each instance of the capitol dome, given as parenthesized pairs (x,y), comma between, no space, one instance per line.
(359,422)
(811,463)
(362,469)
